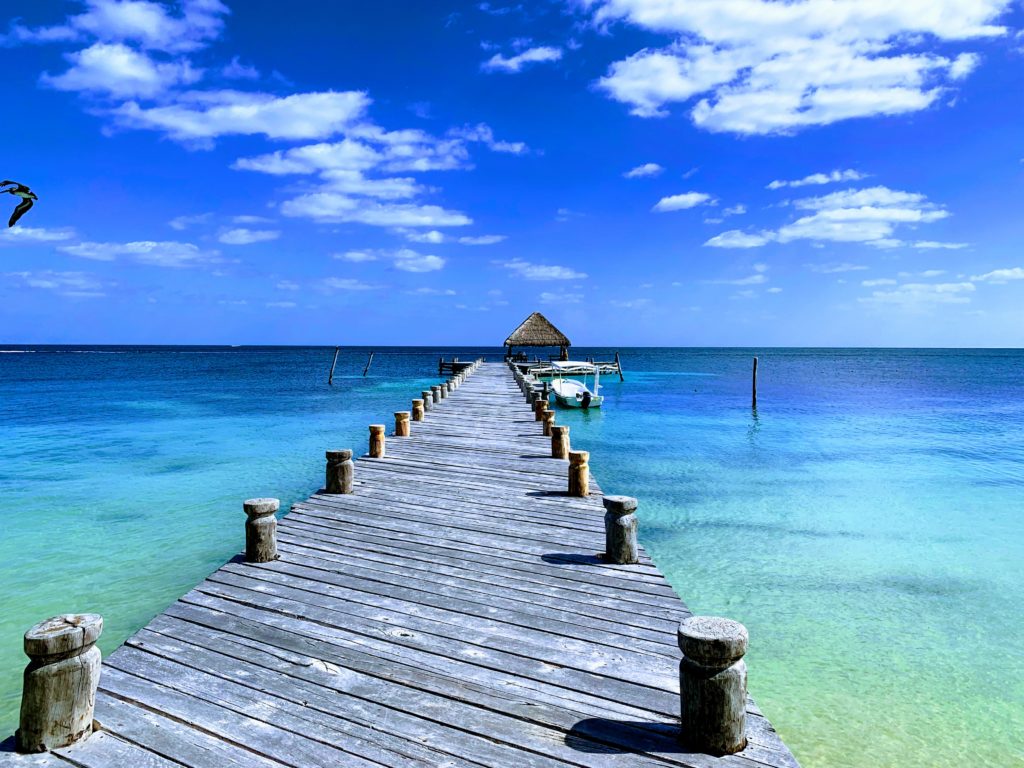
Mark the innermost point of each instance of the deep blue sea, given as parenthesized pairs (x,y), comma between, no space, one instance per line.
(866,523)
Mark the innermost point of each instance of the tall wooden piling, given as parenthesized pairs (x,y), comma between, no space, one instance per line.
(369,362)
(620,527)
(428,399)
(417,410)
(59,686)
(549,421)
(340,472)
(560,442)
(376,441)
(401,423)
(754,387)
(261,530)
(330,376)
(579,473)
(713,685)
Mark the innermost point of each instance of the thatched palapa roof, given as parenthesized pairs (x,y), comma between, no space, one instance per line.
(537,331)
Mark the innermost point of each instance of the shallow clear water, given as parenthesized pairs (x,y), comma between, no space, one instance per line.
(865,523)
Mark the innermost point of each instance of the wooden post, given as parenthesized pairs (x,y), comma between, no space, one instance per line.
(376,441)
(713,685)
(436,393)
(754,389)
(401,423)
(330,378)
(539,406)
(579,473)
(428,399)
(340,471)
(443,389)
(59,687)
(549,421)
(620,524)
(261,530)
(369,360)
(559,442)
(618,365)
(417,410)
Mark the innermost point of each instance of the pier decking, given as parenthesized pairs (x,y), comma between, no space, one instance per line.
(452,611)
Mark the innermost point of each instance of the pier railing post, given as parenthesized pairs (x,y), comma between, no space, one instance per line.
(401,423)
(713,685)
(261,530)
(417,410)
(579,473)
(340,472)
(539,406)
(435,392)
(549,421)
(428,399)
(559,442)
(59,688)
(376,441)
(620,524)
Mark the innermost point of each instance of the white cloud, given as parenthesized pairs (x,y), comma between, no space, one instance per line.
(201,116)
(641,171)
(345,284)
(774,289)
(243,236)
(683,201)
(879,281)
(928,245)
(500,63)
(757,278)
(432,292)
(820,178)
(287,285)
(482,239)
(143,22)
(484,134)
(236,70)
(248,219)
(356,256)
(113,69)
(734,238)
(159,254)
(20,234)
(331,207)
(560,298)
(78,285)
(918,297)
(760,66)
(184,222)
(431,236)
(736,210)
(835,268)
(409,260)
(1001,275)
(541,271)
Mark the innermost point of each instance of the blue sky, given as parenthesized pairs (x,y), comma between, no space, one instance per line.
(649,172)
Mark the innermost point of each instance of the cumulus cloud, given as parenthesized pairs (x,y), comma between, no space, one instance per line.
(243,236)
(114,69)
(511,64)
(683,201)
(531,271)
(835,268)
(548,297)
(820,178)
(19,234)
(184,222)
(482,240)
(159,254)
(484,134)
(330,284)
(931,245)
(334,208)
(734,238)
(918,297)
(645,170)
(357,256)
(409,260)
(236,70)
(760,66)
(1001,275)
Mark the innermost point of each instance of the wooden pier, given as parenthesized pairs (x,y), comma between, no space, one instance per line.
(454,610)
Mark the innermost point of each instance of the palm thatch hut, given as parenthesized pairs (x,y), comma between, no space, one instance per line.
(537,331)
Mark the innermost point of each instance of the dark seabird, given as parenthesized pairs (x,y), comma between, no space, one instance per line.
(27,197)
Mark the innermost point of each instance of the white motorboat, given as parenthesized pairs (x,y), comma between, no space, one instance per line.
(572,393)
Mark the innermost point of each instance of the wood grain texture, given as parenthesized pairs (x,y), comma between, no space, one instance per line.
(454,609)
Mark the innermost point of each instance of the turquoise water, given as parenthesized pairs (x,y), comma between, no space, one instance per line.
(865,523)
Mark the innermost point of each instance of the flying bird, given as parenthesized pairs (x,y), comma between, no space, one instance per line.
(27,197)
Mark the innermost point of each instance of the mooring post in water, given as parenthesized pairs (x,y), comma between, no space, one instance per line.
(754,390)
(620,524)
(428,399)
(59,687)
(549,421)
(330,378)
(260,530)
(369,360)
(340,472)
(417,410)
(579,473)
(559,442)
(618,367)
(402,423)
(713,685)
(376,441)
